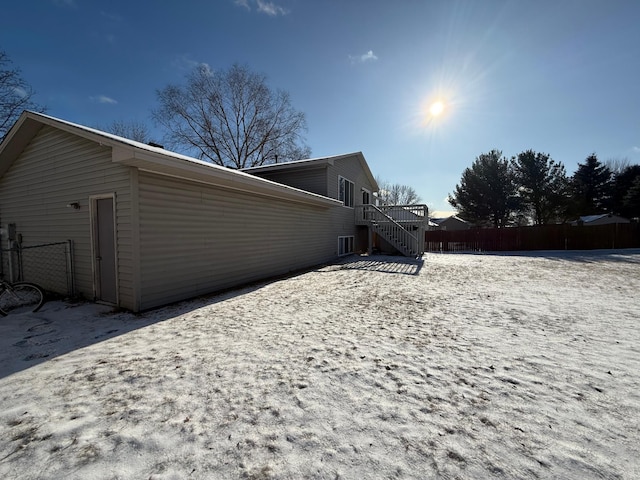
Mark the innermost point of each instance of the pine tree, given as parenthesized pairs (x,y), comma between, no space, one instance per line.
(632,200)
(487,191)
(543,186)
(624,181)
(592,188)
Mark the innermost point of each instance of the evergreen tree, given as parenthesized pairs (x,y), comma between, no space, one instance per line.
(631,201)
(543,186)
(592,187)
(623,183)
(487,193)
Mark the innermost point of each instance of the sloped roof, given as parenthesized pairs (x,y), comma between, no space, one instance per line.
(316,162)
(442,213)
(451,217)
(153,159)
(592,218)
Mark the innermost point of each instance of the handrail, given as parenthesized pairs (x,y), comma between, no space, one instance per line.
(413,214)
(393,231)
(416,213)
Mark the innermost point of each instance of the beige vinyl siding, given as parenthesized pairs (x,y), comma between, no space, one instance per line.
(196,239)
(351,169)
(312,180)
(343,221)
(58,168)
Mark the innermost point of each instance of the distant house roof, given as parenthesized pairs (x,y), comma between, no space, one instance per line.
(438,221)
(442,213)
(151,158)
(602,219)
(315,162)
(452,222)
(592,218)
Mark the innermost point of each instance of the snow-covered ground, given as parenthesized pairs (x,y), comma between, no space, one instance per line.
(459,366)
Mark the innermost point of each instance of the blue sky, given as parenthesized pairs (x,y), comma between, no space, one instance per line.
(556,76)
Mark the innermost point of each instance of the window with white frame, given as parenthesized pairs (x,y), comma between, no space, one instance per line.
(345,245)
(346,191)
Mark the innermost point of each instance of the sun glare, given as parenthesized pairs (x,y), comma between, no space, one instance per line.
(436,108)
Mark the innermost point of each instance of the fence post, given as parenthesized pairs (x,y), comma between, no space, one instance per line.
(20,262)
(13,259)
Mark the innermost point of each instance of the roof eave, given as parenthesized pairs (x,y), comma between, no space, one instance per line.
(16,139)
(128,152)
(297,165)
(220,177)
(315,163)
(367,171)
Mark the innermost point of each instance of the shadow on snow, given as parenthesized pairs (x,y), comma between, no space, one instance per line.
(383,264)
(59,328)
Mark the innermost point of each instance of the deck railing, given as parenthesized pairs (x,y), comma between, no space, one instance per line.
(400,225)
(417,214)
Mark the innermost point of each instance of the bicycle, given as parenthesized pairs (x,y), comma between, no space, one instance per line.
(20,297)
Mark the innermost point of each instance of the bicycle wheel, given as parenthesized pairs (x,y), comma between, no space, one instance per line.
(21,297)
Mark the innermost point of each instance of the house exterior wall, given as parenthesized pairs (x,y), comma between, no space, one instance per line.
(58,168)
(453,224)
(196,238)
(312,180)
(175,238)
(344,217)
(323,180)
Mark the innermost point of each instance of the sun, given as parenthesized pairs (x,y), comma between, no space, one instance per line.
(434,111)
(436,108)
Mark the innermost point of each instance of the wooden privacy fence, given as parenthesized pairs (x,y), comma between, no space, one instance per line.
(544,237)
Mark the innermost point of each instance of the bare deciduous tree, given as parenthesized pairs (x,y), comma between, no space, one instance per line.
(396,193)
(133,130)
(232,118)
(617,165)
(16,95)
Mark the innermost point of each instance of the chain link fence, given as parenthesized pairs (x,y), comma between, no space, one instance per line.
(49,265)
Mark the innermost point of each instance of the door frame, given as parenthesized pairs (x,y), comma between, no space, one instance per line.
(369,194)
(93,199)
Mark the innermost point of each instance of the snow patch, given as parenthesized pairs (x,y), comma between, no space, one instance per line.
(468,366)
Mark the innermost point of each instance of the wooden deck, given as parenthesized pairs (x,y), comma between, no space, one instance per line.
(403,226)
